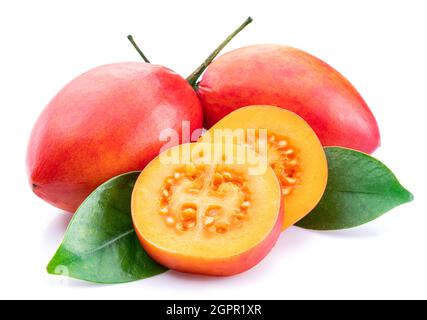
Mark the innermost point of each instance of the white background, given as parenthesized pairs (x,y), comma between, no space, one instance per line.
(379,45)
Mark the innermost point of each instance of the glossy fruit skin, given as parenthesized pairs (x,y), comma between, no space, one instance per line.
(294,80)
(104,123)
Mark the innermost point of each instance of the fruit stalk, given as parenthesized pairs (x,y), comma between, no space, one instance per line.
(192,78)
(130,38)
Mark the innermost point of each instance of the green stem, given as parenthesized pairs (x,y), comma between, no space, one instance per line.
(138,49)
(192,78)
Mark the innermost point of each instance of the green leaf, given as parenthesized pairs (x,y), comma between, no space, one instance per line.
(360,189)
(100,244)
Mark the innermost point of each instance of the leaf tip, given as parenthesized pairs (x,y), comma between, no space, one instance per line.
(50,268)
(407,196)
(410,196)
(57,269)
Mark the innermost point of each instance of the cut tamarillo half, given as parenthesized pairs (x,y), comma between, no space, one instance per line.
(208,209)
(293,150)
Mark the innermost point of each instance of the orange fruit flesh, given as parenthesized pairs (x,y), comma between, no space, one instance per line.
(207,214)
(292,148)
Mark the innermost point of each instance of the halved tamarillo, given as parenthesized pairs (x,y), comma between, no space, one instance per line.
(293,150)
(208,209)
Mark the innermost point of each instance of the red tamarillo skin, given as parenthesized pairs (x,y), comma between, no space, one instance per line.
(294,80)
(104,123)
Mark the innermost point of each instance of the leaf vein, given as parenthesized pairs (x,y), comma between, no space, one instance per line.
(99,248)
